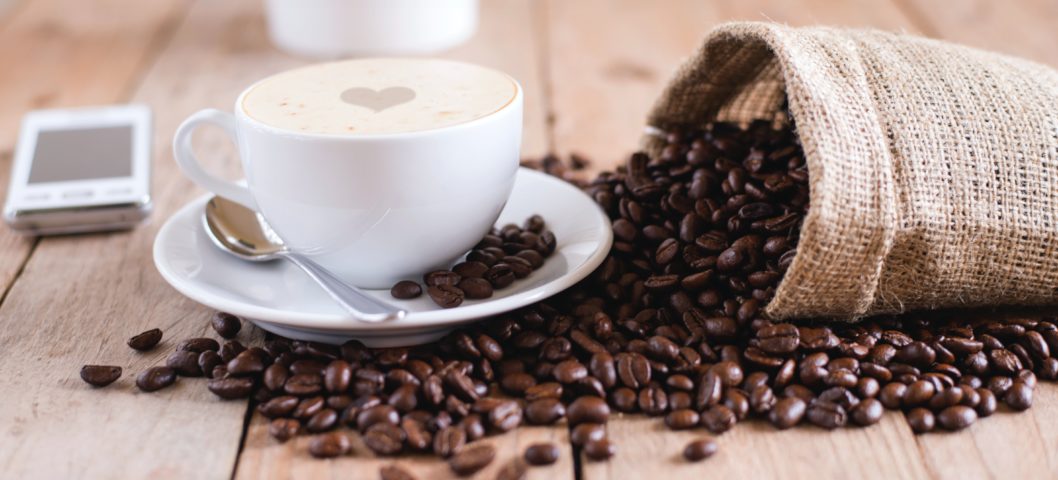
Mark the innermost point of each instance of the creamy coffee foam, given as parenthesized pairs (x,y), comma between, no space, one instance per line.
(378,96)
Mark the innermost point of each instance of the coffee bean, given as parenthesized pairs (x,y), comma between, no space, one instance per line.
(500,275)
(544,411)
(787,412)
(226,325)
(921,420)
(588,409)
(198,345)
(246,363)
(384,438)
(471,459)
(231,387)
(283,429)
(543,390)
(867,412)
(100,375)
(1019,397)
(155,378)
(718,419)
(448,441)
(394,472)
(918,393)
(322,421)
(329,445)
(405,290)
(337,376)
(586,432)
(780,339)
(146,340)
(988,404)
(446,296)
(505,416)
(185,363)
(371,416)
(515,469)
(280,406)
(956,417)
(475,288)
(437,278)
(892,395)
(208,361)
(826,414)
(681,419)
(569,371)
(700,449)
(599,449)
(541,454)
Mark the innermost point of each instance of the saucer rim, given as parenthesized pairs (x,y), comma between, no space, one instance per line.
(339,324)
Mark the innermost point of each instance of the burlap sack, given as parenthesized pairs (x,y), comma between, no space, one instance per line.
(933,167)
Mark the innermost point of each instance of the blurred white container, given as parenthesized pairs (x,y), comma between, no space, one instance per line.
(339,28)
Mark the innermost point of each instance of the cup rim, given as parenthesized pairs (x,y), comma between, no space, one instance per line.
(241,114)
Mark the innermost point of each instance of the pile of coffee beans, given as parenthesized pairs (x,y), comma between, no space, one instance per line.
(501,257)
(669,326)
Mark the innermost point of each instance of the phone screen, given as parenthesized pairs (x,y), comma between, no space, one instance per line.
(82,154)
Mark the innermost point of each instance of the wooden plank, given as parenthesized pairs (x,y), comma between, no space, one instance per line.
(62,53)
(264,458)
(754,449)
(507,40)
(1024,28)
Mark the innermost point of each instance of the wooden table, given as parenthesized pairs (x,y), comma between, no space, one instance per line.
(590,69)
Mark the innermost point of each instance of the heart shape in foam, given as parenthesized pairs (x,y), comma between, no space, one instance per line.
(378,100)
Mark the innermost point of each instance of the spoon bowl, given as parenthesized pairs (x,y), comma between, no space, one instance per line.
(244,233)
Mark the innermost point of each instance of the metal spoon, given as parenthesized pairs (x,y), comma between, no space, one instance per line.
(244,234)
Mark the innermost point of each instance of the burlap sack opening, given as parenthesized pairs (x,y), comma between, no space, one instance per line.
(933,167)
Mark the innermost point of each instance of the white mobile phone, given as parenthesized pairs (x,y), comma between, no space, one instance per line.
(81,170)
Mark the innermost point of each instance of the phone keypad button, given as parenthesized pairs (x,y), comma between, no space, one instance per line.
(77,194)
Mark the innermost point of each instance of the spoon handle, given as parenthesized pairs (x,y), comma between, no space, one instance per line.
(364,307)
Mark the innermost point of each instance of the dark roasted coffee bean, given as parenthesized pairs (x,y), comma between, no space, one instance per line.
(208,361)
(762,399)
(418,438)
(892,395)
(624,399)
(505,416)
(155,378)
(500,275)
(782,338)
(701,449)
(569,371)
(867,412)
(586,432)
(734,399)
(718,419)
(587,409)
(787,412)
(515,469)
(279,406)
(405,290)
(445,295)
(100,375)
(599,449)
(448,441)
(246,363)
(308,407)
(146,340)
(283,429)
(394,472)
(437,278)
(371,416)
(543,390)
(329,445)
(826,414)
(322,421)
(470,269)
(475,288)
(231,387)
(198,345)
(185,363)
(337,376)
(541,454)
(921,420)
(681,419)
(987,405)
(601,366)
(471,459)
(956,417)
(384,438)
(544,411)
(226,325)
(1019,396)
(918,393)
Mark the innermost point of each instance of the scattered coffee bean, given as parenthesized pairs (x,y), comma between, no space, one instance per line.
(541,454)
(198,345)
(1019,396)
(471,459)
(921,420)
(700,449)
(589,409)
(146,340)
(956,417)
(231,387)
(283,429)
(446,296)
(155,378)
(185,363)
(100,375)
(586,432)
(867,412)
(226,325)
(515,469)
(405,290)
(384,438)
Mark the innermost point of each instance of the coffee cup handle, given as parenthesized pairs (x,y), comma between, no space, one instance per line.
(185,156)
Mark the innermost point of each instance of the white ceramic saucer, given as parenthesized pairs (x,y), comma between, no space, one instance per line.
(278,297)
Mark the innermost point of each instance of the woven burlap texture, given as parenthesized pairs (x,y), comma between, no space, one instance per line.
(933,167)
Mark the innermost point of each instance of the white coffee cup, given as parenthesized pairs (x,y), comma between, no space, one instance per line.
(374,208)
(337,28)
